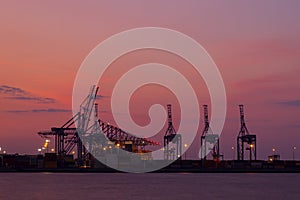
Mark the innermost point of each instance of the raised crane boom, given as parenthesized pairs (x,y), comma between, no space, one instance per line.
(209,140)
(245,140)
(171,137)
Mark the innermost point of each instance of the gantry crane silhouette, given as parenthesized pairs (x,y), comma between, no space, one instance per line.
(91,135)
(245,140)
(172,152)
(209,140)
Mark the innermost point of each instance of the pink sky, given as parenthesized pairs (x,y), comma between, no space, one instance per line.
(255,44)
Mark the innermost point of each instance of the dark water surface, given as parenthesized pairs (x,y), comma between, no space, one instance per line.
(44,186)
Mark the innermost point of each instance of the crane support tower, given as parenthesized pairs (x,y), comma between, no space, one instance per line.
(172,140)
(68,137)
(92,135)
(245,140)
(209,140)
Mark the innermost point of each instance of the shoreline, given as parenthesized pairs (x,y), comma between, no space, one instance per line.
(165,170)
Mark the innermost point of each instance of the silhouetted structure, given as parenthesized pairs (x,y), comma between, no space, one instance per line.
(91,135)
(245,140)
(171,137)
(209,140)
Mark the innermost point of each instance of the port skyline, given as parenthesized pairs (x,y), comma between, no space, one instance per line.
(257,56)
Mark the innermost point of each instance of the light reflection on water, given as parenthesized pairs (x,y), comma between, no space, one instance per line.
(122,186)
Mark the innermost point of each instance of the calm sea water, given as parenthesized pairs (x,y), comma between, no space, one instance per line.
(44,186)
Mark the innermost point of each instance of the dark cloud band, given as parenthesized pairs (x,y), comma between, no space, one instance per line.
(49,110)
(15,93)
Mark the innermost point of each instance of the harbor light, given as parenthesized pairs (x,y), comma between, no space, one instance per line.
(233,152)
(294,149)
(185,146)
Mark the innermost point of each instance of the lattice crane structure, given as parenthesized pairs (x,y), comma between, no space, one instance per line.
(245,140)
(209,141)
(92,135)
(172,140)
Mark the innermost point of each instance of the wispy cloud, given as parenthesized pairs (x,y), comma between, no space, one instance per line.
(15,93)
(290,103)
(100,97)
(49,110)
(16,111)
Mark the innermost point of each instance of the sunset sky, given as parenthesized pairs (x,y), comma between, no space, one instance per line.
(255,44)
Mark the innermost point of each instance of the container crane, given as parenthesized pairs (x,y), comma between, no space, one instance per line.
(245,140)
(171,137)
(209,140)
